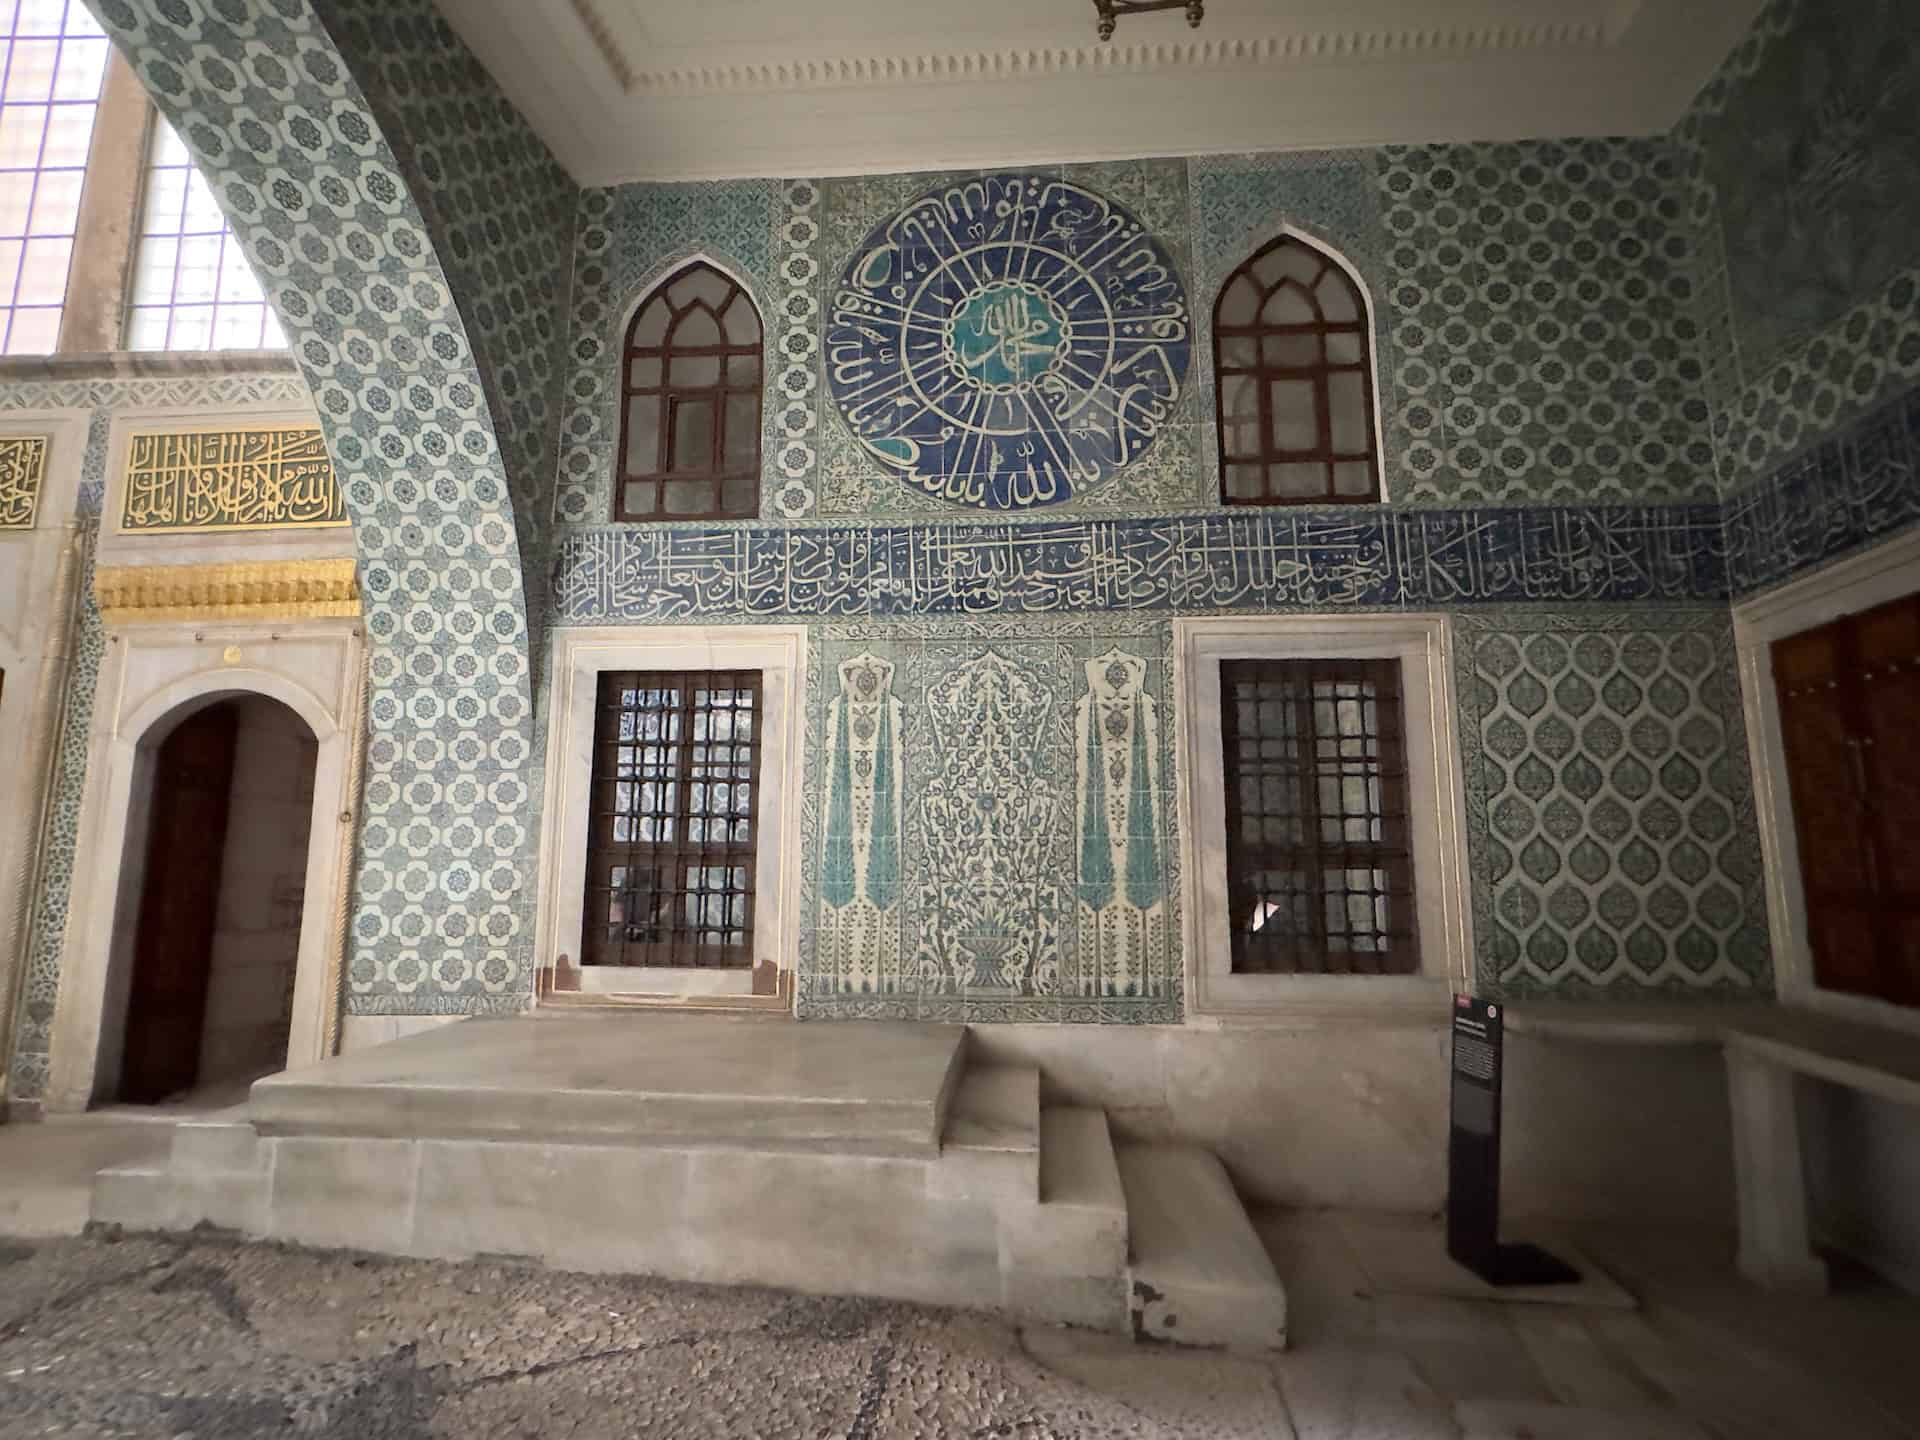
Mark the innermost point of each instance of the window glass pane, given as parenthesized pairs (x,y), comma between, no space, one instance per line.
(193,288)
(643,434)
(43,273)
(696,328)
(1245,482)
(743,431)
(21,127)
(1298,481)
(694,371)
(1240,350)
(1353,479)
(699,285)
(689,497)
(69,132)
(1296,421)
(56,203)
(1240,414)
(692,435)
(651,326)
(1347,412)
(743,369)
(1290,352)
(1343,348)
(1240,304)
(644,373)
(741,322)
(34,332)
(52,57)
(1336,299)
(1288,306)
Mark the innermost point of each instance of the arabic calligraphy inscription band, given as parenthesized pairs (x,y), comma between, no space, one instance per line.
(1009,342)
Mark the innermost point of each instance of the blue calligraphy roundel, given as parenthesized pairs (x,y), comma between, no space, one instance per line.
(1008,342)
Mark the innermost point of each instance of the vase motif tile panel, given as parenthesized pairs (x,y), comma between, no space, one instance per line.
(1005,896)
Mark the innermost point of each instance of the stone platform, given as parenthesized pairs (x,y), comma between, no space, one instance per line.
(612,1077)
(846,1159)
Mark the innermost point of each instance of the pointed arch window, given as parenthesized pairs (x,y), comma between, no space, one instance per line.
(1294,366)
(690,403)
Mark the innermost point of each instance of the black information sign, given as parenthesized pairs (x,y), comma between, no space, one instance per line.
(1473,1159)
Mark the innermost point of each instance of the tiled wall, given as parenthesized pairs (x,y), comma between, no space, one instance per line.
(1547,443)
(414,237)
(1799,159)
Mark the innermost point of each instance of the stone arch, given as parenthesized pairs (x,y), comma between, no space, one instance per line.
(90,1011)
(450,553)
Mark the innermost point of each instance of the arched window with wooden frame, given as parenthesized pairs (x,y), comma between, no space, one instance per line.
(1293,365)
(690,402)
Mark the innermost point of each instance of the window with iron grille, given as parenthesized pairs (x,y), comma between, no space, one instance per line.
(670,856)
(690,409)
(1295,373)
(1319,859)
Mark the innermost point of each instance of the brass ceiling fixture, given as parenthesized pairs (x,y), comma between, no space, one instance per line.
(1112,10)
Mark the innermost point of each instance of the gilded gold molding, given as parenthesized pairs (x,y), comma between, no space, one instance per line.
(266,590)
(267,477)
(23,466)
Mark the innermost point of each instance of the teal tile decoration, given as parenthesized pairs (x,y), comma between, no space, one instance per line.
(1609,806)
(1798,158)
(967,858)
(626,242)
(414,238)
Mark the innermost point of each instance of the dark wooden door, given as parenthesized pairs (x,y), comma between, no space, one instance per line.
(173,947)
(1849,709)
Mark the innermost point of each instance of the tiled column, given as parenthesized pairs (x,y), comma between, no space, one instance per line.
(1770,1177)
(109,215)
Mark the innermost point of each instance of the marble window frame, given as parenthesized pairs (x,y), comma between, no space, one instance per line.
(579,655)
(1436,792)
(1884,573)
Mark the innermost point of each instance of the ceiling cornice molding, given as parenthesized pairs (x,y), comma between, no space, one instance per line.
(1038,62)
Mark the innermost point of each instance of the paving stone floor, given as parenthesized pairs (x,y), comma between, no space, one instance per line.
(206,1336)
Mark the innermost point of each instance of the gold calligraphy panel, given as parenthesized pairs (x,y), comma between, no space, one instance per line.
(273,477)
(23,463)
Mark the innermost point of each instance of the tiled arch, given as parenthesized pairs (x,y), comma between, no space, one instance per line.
(328,215)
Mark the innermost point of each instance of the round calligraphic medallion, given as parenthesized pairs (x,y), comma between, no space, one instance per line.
(1009,342)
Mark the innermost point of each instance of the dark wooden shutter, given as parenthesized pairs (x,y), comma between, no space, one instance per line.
(1849,697)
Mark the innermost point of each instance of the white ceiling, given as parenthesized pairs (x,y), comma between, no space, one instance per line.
(702,89)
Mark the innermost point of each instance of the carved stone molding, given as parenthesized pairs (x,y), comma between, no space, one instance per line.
(267,590)
(1032,62)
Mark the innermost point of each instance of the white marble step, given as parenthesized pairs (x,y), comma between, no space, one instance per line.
(1066,1257)
(154,1199)
(1199,1274)
(215,1146)
(991,1148)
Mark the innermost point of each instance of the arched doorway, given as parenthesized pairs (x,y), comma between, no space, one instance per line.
(215,943)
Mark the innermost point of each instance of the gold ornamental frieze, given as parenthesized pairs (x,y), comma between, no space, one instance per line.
(23,465)
(265,590)
(269,477)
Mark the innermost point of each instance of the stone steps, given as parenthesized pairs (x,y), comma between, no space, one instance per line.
(215,1171)
(1198,1272)
(1020,1205)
